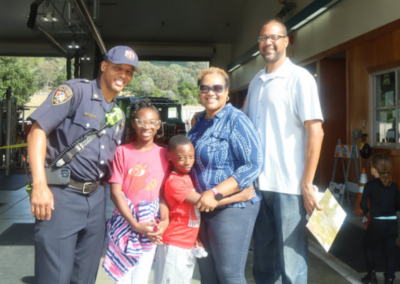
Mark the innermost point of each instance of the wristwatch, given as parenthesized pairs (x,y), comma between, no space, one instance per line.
(218,195)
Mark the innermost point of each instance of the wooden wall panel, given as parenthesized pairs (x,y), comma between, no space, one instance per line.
(332,88)
(379,53)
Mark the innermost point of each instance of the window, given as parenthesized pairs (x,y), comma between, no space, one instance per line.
(386,108)
(172,112)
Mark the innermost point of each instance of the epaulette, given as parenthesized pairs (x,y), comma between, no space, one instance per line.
(79,80)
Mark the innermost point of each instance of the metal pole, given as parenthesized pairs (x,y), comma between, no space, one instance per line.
(8,130)
(81,7)
(76,64)
(14,129)
(98,58)
(1,131)
(23,125)
(23,134)
(69,73)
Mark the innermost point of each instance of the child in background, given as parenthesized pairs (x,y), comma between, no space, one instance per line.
(384,198)
(139,170)
(174,260)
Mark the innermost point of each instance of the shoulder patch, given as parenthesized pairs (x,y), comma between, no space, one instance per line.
(62,95)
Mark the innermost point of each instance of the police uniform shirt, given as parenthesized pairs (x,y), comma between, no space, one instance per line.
(71,111)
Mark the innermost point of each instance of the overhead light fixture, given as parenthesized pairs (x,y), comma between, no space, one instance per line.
(234,68)
(309,18)
(317,13)
(73,45)
(299,25)
(48,18)
(85,57)
(308,13)
(256,53)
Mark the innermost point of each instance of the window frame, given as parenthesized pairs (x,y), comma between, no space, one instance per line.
(374,108)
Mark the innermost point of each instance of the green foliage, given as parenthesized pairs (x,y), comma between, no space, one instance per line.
(146,85)
(157,93)
(133,88)
(18,77)
(177,80)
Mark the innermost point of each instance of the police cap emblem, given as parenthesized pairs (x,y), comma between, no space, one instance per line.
(129,54)
(62,95)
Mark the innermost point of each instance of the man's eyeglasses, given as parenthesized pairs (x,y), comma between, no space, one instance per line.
(273,38)
(143,122)
(217,89)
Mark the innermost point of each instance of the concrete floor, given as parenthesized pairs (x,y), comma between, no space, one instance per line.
(17,262)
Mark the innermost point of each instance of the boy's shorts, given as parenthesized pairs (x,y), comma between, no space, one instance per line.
(173,265)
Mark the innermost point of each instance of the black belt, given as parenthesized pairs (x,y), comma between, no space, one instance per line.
(85,187)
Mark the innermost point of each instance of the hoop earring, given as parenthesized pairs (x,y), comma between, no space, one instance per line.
(227,99)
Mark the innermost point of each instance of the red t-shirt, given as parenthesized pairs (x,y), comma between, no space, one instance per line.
(184,218)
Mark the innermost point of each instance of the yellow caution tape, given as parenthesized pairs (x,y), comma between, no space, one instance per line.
(15,146)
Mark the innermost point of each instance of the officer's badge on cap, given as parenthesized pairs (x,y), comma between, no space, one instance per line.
(123,55)
(62,95)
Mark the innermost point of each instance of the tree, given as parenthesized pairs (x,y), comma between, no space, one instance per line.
(46,73)
(188,93)
(148,69)
(134,86)
(157,93)
(170,94)
(188,79)
(146,85)
(61,78)
(165,79)
(18,77)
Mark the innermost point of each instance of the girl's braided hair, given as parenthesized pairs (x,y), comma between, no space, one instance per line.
(383,165)
(142,104)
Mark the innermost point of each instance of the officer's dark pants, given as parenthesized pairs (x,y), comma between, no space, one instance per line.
(68,247)
(381,231)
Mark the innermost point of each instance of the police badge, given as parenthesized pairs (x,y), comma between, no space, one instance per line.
(62,95)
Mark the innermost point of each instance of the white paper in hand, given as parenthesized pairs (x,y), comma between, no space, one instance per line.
(325,224)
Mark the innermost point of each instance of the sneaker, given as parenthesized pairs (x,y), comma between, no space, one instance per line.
(370,278)
(388,281)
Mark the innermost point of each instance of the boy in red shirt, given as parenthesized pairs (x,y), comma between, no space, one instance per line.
(174,260)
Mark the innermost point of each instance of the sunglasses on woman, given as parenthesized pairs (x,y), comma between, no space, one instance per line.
(217,89)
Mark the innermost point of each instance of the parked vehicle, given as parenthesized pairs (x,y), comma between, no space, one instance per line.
(170,115)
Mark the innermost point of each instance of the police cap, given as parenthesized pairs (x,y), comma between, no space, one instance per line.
(123,55)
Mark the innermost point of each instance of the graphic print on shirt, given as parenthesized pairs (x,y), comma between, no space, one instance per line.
(194,217)
(138,174)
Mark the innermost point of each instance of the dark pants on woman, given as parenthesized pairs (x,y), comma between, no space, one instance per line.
(381,231)
(226,235)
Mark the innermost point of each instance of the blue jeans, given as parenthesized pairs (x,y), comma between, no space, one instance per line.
(280,241)
(226,235)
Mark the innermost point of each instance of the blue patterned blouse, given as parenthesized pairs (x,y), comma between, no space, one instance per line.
(226,145)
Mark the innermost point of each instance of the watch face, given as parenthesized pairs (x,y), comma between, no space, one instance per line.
(219,196)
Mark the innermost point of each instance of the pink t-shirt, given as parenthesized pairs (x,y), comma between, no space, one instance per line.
(140,173)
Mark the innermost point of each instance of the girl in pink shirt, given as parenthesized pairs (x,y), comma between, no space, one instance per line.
(139,170)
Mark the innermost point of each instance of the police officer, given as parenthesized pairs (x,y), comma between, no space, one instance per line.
(70,219)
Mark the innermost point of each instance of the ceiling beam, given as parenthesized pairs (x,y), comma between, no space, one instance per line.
(92,27)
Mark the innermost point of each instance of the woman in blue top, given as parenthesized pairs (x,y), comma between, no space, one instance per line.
(229,158)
